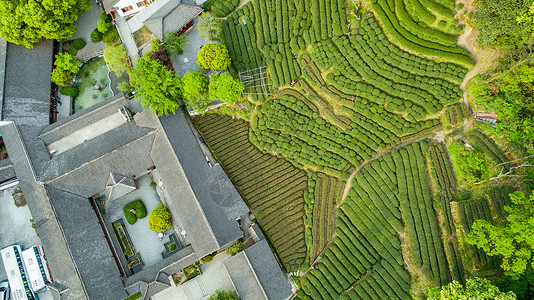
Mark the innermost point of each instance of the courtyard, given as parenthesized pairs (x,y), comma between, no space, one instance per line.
(146,245)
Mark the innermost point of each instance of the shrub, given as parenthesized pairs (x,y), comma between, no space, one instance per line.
(78,44)
(213,56)
(96,36)
(159,219)
(70,90)
(235,248)
(140,211)
(174,43)
(224,295)
(172,247)
(154,44)
(111,36)
(103,27)
(125,87)
(66,66)
(153,185)
(191,271)
(105,17)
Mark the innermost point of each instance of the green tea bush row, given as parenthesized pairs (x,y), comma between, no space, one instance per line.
(417,211)
(425,32)
(499,197)
(261,180)
(486,144)
(241,40)
(394,56)
(222,8)
(468,212)
(368,44)
(416,44)
(455,114)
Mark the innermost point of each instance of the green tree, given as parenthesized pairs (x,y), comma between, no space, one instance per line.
(471,166)
(158,87)
(96,36)
(26,22)
(103,26)
(475,288)
(195,86)
(511,240)
(66,67)
(213,56)
(500,22)
(124,86)
(225,88)
(159,219)
(174,43)
(116,58)
(223,295)
(209,27)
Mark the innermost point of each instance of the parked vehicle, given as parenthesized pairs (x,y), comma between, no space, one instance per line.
(5,293)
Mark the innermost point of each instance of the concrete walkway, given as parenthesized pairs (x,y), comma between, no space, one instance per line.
(127,38)
(187,62)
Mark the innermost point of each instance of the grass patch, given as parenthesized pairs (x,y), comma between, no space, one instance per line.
(142,36)
(135,296)
(191,272)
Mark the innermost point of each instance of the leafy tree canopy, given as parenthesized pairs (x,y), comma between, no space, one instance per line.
(213,56)
(26,22)
(159,219)
(511,97)
(513,240)
(209,27)
(66,67)
(158,87)
(500,22)
(116,58)
(174,43)
(471,166)
(195,87)
(223,295)
(225,88)
(475,288)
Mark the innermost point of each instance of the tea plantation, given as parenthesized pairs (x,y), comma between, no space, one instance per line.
(341,162)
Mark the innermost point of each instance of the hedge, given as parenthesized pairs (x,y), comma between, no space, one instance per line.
(140,211)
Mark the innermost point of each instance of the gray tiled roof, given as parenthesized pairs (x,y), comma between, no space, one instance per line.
(119,185)
(98,147)
(6,170)
(171,17)
(179,196)
(268,271)
(81,119)
(27,84)
(169,265)
(90,179)
(88,246)
(220,201)
(243,277)
(109,4)
(47,226)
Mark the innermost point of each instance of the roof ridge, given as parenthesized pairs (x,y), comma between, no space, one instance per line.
(100,157)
